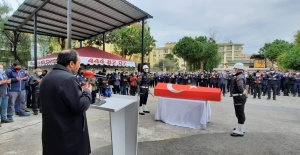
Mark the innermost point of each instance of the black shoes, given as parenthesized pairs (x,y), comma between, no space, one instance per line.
(6,121)
(236,135)
(268,98)
(36,113)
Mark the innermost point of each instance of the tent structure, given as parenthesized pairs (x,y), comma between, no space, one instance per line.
(89,56)
(73,19)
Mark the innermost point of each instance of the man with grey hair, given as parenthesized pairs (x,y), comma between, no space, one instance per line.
(35,82)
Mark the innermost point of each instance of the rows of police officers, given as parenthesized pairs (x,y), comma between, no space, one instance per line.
(258,83)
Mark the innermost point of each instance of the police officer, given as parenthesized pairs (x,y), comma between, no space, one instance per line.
(296,80)
(144,81)
(279,82)
(257,84)
(239,99)
(265,83)
(272,84)
(286,82)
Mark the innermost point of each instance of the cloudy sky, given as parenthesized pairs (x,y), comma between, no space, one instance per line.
(250,22)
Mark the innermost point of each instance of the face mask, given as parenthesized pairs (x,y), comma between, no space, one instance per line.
(17,68)
(1,71)
(39,73)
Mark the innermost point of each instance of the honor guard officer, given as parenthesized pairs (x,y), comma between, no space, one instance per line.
(144,81)
(239,99)
(272,84)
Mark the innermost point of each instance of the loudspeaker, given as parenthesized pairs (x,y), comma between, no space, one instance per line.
(140,67)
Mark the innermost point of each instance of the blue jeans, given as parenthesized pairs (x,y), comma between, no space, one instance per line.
(123,90)
(3,107)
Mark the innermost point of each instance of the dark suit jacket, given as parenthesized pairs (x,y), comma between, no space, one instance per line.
(64,129)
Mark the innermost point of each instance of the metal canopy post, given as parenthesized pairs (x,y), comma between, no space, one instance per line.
(103,41)
(35,40)
(69,24)
(80,43)
(143,45)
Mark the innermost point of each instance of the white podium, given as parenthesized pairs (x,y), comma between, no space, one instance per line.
(123,112)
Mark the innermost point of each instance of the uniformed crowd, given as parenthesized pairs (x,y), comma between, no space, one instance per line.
(258,83)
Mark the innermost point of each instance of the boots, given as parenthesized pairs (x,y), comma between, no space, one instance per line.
(141,112)
(145,109)
(239,131)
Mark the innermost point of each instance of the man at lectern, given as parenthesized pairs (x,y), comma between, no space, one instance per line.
(64,102)
(239,99)
(144,81)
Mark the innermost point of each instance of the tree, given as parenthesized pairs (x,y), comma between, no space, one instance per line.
(290,59)
(166,64)
(297,38)
(127,40)
(171,57)
(11,41)
(273,50)
(198,52)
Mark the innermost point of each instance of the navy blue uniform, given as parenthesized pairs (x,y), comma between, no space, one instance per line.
(272,84)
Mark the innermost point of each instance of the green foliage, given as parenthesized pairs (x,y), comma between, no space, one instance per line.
(297,38)
(167,64)
(290,59)
(201,51)
(273,50)
(128,40)
(22,51)
(172,58)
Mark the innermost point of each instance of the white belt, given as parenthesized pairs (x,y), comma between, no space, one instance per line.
(143,87)
(237,94)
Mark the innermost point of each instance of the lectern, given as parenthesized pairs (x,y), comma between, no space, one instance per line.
(123,111)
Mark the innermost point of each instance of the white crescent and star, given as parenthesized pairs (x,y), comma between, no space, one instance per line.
(171,89)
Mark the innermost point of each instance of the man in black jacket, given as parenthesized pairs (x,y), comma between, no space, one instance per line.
(65,101)
(35,82)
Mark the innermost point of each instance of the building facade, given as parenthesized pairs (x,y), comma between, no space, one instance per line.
(229,53)
(159,53)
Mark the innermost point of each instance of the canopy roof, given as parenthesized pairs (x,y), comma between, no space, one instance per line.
(89,17)
(89,56)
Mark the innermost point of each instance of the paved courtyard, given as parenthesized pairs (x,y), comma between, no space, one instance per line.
(272,127)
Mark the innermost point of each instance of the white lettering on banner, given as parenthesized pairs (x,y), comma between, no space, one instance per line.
(86,60)
(101,61)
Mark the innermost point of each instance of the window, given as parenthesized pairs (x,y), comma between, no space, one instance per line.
(259,61)
(237,53)
(236,48)
(229,47)
(228,53)
(228,59)
(221,48)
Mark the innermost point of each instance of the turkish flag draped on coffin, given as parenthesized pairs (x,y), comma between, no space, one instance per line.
(187,92)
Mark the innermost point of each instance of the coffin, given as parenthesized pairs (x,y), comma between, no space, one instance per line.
(187,92)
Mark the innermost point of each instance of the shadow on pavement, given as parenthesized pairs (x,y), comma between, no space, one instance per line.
(219,143)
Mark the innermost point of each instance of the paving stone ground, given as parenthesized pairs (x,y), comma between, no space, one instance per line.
(272,127)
